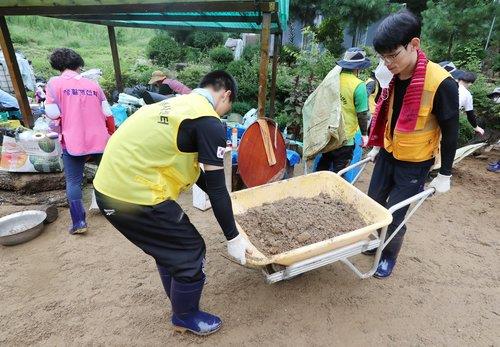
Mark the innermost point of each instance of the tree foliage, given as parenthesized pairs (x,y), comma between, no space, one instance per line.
(330,33)
(453,22)
(356,14)
(415,6)
(305,10)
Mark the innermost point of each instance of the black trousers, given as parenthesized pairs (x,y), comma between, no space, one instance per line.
(338,158)
(163,231)
(392,182)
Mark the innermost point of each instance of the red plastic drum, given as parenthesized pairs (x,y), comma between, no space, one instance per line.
(255,164)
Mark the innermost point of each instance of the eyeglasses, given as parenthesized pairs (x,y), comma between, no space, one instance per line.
(389,58)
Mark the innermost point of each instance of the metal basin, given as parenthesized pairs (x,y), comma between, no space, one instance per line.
(21,227)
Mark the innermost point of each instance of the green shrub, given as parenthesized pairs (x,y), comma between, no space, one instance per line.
(73,44)
(247,76)
(283,120)
(205,40)
(192,55)
(288,54)
(292,108)
(284,83)
(487,110)
(468,55)
(220,57)
(164,50)
(19,39)
(202,40)
(466,132)
(496,63)
(251,53)
(181,36)
(241,107)
(192,74)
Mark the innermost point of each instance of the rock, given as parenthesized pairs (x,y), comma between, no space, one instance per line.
(276,231)
(89,171)
(273,250)
(274,243)
(303,237)
(31,182)
(55,198)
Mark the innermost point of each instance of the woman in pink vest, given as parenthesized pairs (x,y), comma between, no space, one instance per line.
(83,110)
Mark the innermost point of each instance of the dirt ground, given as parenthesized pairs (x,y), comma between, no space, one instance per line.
(98,289)
(292,223)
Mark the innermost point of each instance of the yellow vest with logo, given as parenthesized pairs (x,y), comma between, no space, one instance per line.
(422,143)
(348,84)
(142,163)
(371,98)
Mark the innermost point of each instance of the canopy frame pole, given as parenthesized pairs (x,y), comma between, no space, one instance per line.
(264,62)
(15,73)
(276,52)
(116,58)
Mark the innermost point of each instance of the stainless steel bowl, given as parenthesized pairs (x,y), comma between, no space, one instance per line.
(21,227)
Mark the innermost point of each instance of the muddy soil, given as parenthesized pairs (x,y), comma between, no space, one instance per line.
(99,289)
(292,223)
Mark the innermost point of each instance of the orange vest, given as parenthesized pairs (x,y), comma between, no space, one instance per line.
(422,143)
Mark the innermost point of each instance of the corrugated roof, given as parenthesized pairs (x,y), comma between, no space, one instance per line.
(217,15)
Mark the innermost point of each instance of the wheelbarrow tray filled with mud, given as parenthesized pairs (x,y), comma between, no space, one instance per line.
(374,216)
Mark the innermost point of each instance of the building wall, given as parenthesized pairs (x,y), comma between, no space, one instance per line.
(293,34)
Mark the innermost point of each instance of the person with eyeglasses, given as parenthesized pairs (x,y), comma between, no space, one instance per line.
(415,118)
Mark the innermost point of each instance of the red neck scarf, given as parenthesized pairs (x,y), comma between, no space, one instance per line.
(409,110)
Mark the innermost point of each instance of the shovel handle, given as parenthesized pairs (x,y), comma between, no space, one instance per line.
(266,139)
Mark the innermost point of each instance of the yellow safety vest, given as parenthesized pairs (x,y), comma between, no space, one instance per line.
(348,84)
(371,98)
(141,163)
(423,143)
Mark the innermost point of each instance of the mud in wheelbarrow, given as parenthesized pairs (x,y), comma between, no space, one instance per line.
(374,215)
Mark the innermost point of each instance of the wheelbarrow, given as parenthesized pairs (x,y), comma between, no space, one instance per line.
(294,262)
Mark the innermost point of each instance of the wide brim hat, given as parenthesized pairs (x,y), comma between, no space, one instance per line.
(157,76)
(354,59)
(495,93)
(456,74)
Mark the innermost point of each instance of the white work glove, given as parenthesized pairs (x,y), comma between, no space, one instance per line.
(237,248)
(479,130)
(364,140)
(441,183)
(373,153)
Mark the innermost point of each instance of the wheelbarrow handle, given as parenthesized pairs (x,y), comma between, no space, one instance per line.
(420,196)
(353,166)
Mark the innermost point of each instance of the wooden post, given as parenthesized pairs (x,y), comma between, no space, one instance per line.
(264,61)
(276,51)
(116,58)
(15,75)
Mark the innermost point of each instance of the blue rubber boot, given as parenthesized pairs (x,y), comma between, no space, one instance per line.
(388,258)
(166,279)
(77,212)
(185,298)
(495,167)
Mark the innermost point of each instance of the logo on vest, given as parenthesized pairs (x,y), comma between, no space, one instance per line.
(163,120)
(343,99)
(220,152)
